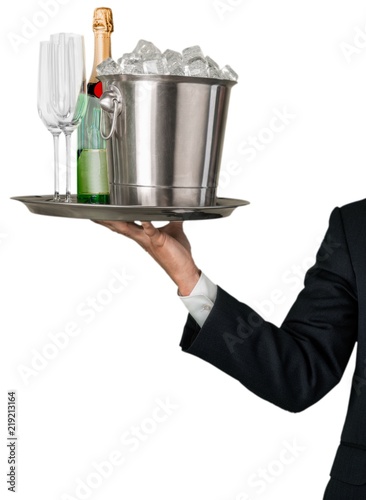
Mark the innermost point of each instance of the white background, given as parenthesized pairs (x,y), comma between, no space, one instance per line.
(109,378)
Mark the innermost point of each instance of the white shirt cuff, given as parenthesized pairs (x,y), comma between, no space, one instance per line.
(201,300)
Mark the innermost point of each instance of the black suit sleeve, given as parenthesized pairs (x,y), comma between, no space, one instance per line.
(295,365)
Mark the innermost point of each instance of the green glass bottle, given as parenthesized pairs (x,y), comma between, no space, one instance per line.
(92,171)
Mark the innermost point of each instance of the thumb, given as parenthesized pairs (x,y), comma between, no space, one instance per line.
(149,229)
(157,238)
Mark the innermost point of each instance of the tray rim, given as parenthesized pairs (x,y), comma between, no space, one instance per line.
(39,205)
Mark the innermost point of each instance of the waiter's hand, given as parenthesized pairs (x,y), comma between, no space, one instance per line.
(168,245)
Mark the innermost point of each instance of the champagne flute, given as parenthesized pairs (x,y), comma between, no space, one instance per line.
(45,110)
(68,89)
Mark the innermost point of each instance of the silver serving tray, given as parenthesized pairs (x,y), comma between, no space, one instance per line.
(44,205)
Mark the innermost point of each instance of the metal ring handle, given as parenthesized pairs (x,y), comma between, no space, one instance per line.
(114,121)
(110,102)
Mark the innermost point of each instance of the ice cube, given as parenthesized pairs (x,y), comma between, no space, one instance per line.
(199,68)
(171,55)
(131,64)
(109,67)
(174,62)
(128,58)
(137,69)
(191,54)
(146,50)
(157,66)
(133,69)
(228,73)
(194,62)
(213,68)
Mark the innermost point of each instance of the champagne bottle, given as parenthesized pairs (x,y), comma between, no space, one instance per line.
(92,172)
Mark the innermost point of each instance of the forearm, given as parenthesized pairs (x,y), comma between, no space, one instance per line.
(294,365)
(187,281)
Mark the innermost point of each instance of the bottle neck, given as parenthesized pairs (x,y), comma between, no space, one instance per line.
(102,50)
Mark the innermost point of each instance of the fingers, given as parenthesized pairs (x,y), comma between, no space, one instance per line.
(129,229)
(174,228)
(156,237)
(147,233)
(149,228)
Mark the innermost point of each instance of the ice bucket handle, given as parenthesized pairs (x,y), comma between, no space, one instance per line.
(110,102)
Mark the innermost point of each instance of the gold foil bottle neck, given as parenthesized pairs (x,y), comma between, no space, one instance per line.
(103,20)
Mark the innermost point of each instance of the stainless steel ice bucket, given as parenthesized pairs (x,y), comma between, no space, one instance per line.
(165,138)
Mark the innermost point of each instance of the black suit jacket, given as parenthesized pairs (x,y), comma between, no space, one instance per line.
(295,365)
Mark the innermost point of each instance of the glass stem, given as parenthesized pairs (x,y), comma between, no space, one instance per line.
(56,164)
(68,167)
